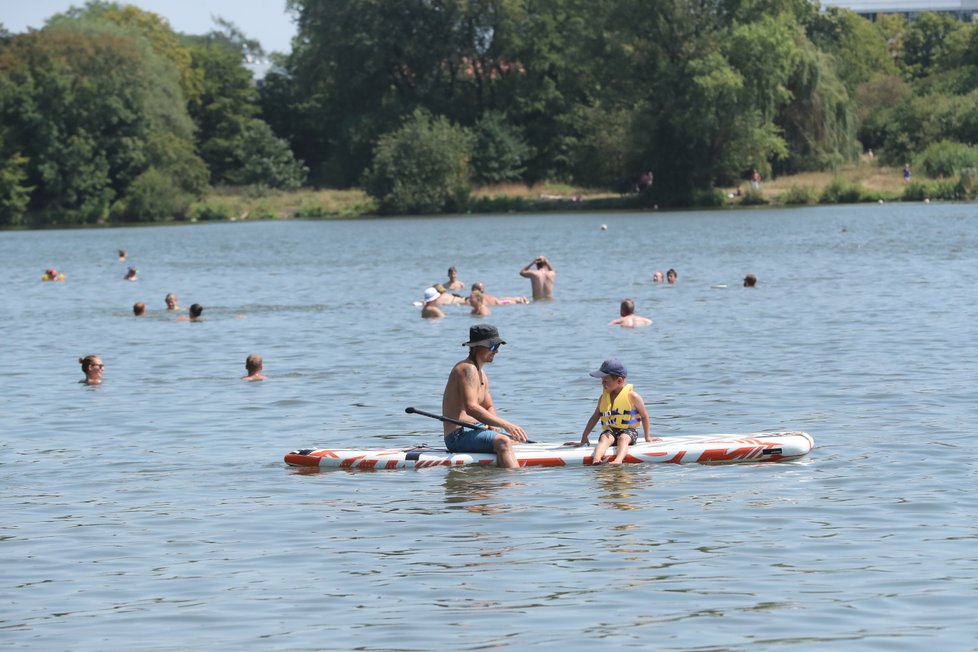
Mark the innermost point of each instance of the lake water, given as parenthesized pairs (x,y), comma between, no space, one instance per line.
(155,512)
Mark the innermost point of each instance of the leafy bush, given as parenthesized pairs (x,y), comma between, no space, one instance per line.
(14,195)
(422,167)
(796,195)
(211,211)
(968,183)
(154,195)
(944,189)
(947,159)
(708,198)
(753,197)
(499,153)
(840,192)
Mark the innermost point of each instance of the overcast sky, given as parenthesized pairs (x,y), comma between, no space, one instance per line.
(264,20)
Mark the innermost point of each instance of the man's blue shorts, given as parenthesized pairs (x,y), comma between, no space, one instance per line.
(471,440)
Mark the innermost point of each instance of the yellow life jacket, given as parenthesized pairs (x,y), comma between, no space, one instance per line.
(620,415)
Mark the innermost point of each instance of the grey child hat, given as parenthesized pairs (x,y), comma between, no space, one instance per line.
(483,335)
(611,367)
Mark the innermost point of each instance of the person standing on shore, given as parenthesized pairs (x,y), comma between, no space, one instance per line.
(541,279)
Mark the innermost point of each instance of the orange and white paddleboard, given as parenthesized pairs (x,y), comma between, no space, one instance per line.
(680,449)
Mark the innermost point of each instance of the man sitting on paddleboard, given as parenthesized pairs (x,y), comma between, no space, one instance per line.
(467,398)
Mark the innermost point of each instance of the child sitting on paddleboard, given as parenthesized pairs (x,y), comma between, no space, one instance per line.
(620,410)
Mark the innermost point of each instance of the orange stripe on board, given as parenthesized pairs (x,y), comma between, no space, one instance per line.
(545,461)
(301,460)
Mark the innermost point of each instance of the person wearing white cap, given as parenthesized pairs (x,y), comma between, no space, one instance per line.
(430,309)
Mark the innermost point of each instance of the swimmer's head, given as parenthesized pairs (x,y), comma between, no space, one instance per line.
(253,363)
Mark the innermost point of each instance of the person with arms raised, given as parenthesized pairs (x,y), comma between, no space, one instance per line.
(541,279)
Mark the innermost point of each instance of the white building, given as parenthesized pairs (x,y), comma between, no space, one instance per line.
(966,10)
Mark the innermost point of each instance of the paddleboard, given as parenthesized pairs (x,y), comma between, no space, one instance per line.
(680,449)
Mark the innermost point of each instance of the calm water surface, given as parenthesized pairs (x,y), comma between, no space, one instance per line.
(154,511)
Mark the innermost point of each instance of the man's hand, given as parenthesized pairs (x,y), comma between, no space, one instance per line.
(515,432)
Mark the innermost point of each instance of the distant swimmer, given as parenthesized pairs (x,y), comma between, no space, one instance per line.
(453,282)
(491,300)
(446,298)
(195,311)
(478,303)
(171,302)
(139,308)
(92,368)
(672,276)
(131,274)
(431,309)
(254,366)
(628,317)
(52,275)
(750,281)
(122,255)
(658,277)
(541,279)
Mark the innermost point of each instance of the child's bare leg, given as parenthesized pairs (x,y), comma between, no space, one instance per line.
(604,441)
(623,443)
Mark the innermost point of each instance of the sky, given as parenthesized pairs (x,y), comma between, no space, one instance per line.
(264,20)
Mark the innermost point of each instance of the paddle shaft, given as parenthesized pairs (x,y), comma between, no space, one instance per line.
(464,424)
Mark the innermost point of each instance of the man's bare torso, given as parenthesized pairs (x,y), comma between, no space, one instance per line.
(542,282)
(453,403)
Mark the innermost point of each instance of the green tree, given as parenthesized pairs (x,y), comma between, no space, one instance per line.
(499,153)
(422,167)
(267,160)
(926,43)
(84,102)
(225,107)
(14,193)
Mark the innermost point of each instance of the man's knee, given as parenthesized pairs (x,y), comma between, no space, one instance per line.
(502,443)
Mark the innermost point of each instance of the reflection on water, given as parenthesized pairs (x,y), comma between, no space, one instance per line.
(160,496)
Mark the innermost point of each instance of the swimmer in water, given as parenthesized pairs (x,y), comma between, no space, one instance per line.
(628,317)
(92,368)
(254,366)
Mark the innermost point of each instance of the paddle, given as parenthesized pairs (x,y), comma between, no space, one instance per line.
(474,426)
(464,424)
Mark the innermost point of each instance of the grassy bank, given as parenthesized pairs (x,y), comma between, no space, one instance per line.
(860,182)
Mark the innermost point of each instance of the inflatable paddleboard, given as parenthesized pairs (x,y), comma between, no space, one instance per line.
(681,449)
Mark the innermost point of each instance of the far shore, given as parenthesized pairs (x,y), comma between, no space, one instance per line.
(857,183)
(874,183)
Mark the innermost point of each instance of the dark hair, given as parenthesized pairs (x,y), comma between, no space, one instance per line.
(138,308)
(627,307)
(87,361)
(196,309)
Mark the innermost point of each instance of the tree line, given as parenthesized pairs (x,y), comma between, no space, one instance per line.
(107,114)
